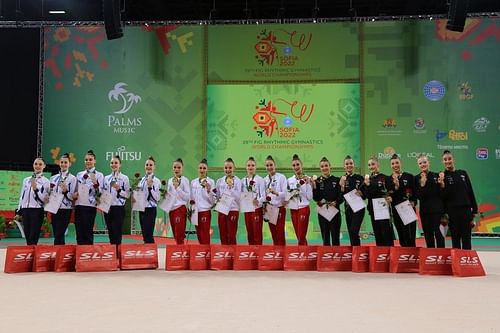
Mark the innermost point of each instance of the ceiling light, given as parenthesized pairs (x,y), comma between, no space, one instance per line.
(57,12)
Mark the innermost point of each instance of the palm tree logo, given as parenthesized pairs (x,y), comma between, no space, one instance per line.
(128,98)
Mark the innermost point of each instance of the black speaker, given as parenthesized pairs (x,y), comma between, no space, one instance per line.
(457,14)
(112,20)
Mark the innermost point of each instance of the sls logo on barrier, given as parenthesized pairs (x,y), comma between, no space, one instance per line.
(179,255)
(202,255)
(408,258)
(335,256)
(272,256)
(222,255)
(87,256)
(47,255)
(382,257)
(438,260)
(68,257)
(247,255)
(119,122)
(139,254)
(23,257)
(470,261)
(302,256)
(363,256)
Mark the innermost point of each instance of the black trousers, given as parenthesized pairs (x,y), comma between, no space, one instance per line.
(32,222)
(114,222)
(460,228)
(60,222)
(330,229)
(84,224)
(147,220)
(354,221)
(406,233)
(383,232)
(432,234)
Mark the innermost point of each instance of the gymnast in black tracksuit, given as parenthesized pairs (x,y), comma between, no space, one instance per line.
(402,186)
(374,186)
(348,182)
(326,191)
(459,202)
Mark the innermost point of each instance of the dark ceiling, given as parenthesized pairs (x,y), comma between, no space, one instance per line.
(150,10)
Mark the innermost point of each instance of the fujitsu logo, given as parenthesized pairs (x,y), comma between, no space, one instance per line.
(302,256)
(139,254)
(335,256)
(438,260)
(223,255)
(409,258)
(382,257)
(247,255)
(23,257)
(472,261)
(202,255)
(179,255)
(273,256)
(86,256)
(47,256)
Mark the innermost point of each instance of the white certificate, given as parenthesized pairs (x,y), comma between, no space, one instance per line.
(354,200)
(380,209)
(328,212)
(139,201)
(271,214)
(55,200)
(406,212)
(105,201)
(194,215)
(21,228)
(246,202)
(443,229)
(224,204)
(83,195)
(167,203)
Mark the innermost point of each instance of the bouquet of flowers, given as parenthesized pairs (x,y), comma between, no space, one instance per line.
(250,185)
(135,183)
(323,202)
(163,190)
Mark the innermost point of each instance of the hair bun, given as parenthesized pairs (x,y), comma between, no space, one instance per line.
(269,157)
(446,152)
(348,157)
(204,161)
(229,159)
(395,156)
(251,158)
(179,160)
(151,158)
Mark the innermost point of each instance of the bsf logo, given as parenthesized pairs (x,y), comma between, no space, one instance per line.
(382,257)
(335,256)
(47,256)
(139,254)
(179,255)
(302,256)
(273,256)
(438,260)
(202,255)
(20,257)
(247,255)
(408,259)
(89,256)
(469,261)
(222,255)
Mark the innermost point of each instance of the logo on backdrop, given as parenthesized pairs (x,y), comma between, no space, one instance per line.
(419,126)
(124,154)
(465,91)
(453,135)
(387,154)
(415,154)
(480,124)
(497,153)
(434,90)
(482,153)
(389,126)
(119,121)
(278,47)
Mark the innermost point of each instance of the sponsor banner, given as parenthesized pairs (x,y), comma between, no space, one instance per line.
(199,257)
(177,257)
(44,258)
(435,261)
(300,258)
(221,257)
(65,258)
(19,259)
(246,257)
(138,256)
(334,258)
(466,263)
(360,256)
(404,259)
(271,257)
(379,257)
(96,258)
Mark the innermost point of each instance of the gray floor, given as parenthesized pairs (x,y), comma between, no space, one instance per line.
(251,301)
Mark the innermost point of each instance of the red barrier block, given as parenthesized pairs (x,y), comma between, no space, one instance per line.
(138,256)
(379,259)
(199,257)
(19,259)
(300,258)
(44,258)
(177,257)
(360,256)
(96,258)
(435,261)
(221,257)
(334,258)
(404,259)
(65,258)
(271,258)
(466,263)
(246,257)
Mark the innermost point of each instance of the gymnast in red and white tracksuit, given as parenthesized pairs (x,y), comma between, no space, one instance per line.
(253,220)
(229,185)
(275,184)
(202,200)
(178,186)
(299,195)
